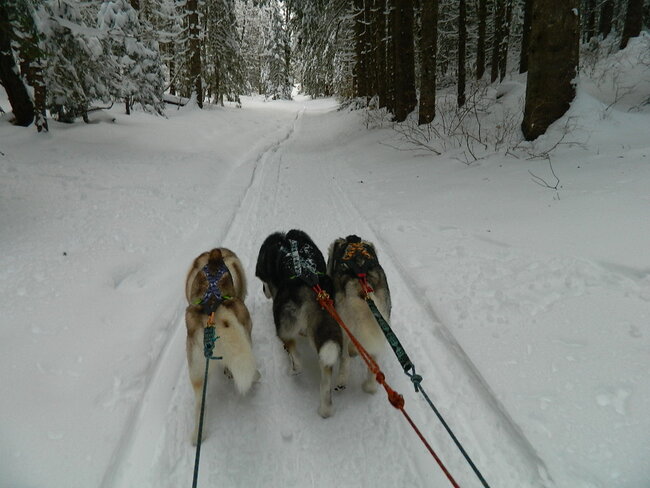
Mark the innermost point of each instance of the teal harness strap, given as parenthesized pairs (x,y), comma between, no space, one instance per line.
(409,370)
(392,339)
(209,340)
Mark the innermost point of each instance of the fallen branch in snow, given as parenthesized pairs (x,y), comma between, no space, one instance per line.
(175,100)
(542,182)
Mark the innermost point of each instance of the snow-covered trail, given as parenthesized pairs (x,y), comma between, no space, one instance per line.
(274,436)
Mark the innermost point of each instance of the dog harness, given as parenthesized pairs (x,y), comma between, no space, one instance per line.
(357,258)
(213,296)
(299,262)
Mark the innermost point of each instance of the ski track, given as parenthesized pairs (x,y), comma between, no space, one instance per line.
(131,459)
(274,433)
(463,386)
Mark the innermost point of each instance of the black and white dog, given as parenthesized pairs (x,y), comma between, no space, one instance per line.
(289,265)
(351,260)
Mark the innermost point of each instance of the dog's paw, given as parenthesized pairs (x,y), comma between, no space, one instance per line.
(227,373)
(325,411)
(370,386)
(295,371)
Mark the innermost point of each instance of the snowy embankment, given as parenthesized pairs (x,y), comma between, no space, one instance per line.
(525,309)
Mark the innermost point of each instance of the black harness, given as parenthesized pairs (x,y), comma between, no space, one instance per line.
(299,261)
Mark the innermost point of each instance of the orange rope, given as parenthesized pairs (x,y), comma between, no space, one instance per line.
(395,399)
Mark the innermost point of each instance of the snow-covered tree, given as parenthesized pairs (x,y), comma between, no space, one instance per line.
(224,66)
(79,67)
(136,54)
(277,52)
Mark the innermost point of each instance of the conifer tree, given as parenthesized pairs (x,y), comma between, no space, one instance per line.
(140,72)
(79,67)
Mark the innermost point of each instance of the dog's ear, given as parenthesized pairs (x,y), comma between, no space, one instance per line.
(371,248)
(215,260)
(266,259)
(298,235)
(336,249)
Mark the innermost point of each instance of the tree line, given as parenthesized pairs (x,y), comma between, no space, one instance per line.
(64,57)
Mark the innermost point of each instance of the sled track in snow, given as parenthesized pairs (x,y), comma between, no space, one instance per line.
(131,459)
(272,199)
(440,391)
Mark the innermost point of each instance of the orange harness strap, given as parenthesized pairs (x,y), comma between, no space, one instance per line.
(395,399)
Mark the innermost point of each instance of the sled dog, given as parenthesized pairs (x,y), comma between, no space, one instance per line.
(288,266)
(347,259)
(216,283)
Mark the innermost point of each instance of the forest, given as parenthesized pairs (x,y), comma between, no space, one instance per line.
(64,58)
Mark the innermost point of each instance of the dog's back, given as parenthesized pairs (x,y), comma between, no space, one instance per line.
(289,265)
(350,260)
(233,284)
(216,286)
(233,328)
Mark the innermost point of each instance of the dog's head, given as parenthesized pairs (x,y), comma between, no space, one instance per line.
(275,266)
(351,254)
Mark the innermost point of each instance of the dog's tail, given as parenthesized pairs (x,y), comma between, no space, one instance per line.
(236,351)
(329,353)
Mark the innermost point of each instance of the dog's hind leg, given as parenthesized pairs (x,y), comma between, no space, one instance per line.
(294,360)
(344,366)
(370,384)
(328,356)
(325,408)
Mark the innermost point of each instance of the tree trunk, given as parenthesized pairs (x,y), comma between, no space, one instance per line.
(196,82)
(288,82)
(32,67)
(525,39)
(361,67)
(428,48)
(21,103)
(480,43)
(498,14)
(391,37)
(379,23)
(40,91)
(552,64)
(404,53)
(606,17)
(505,38)
(633,21)
(590,24)
(462,45)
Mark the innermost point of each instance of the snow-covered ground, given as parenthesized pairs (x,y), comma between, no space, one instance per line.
(526,309)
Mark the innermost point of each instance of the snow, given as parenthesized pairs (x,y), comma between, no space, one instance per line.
(525,309)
